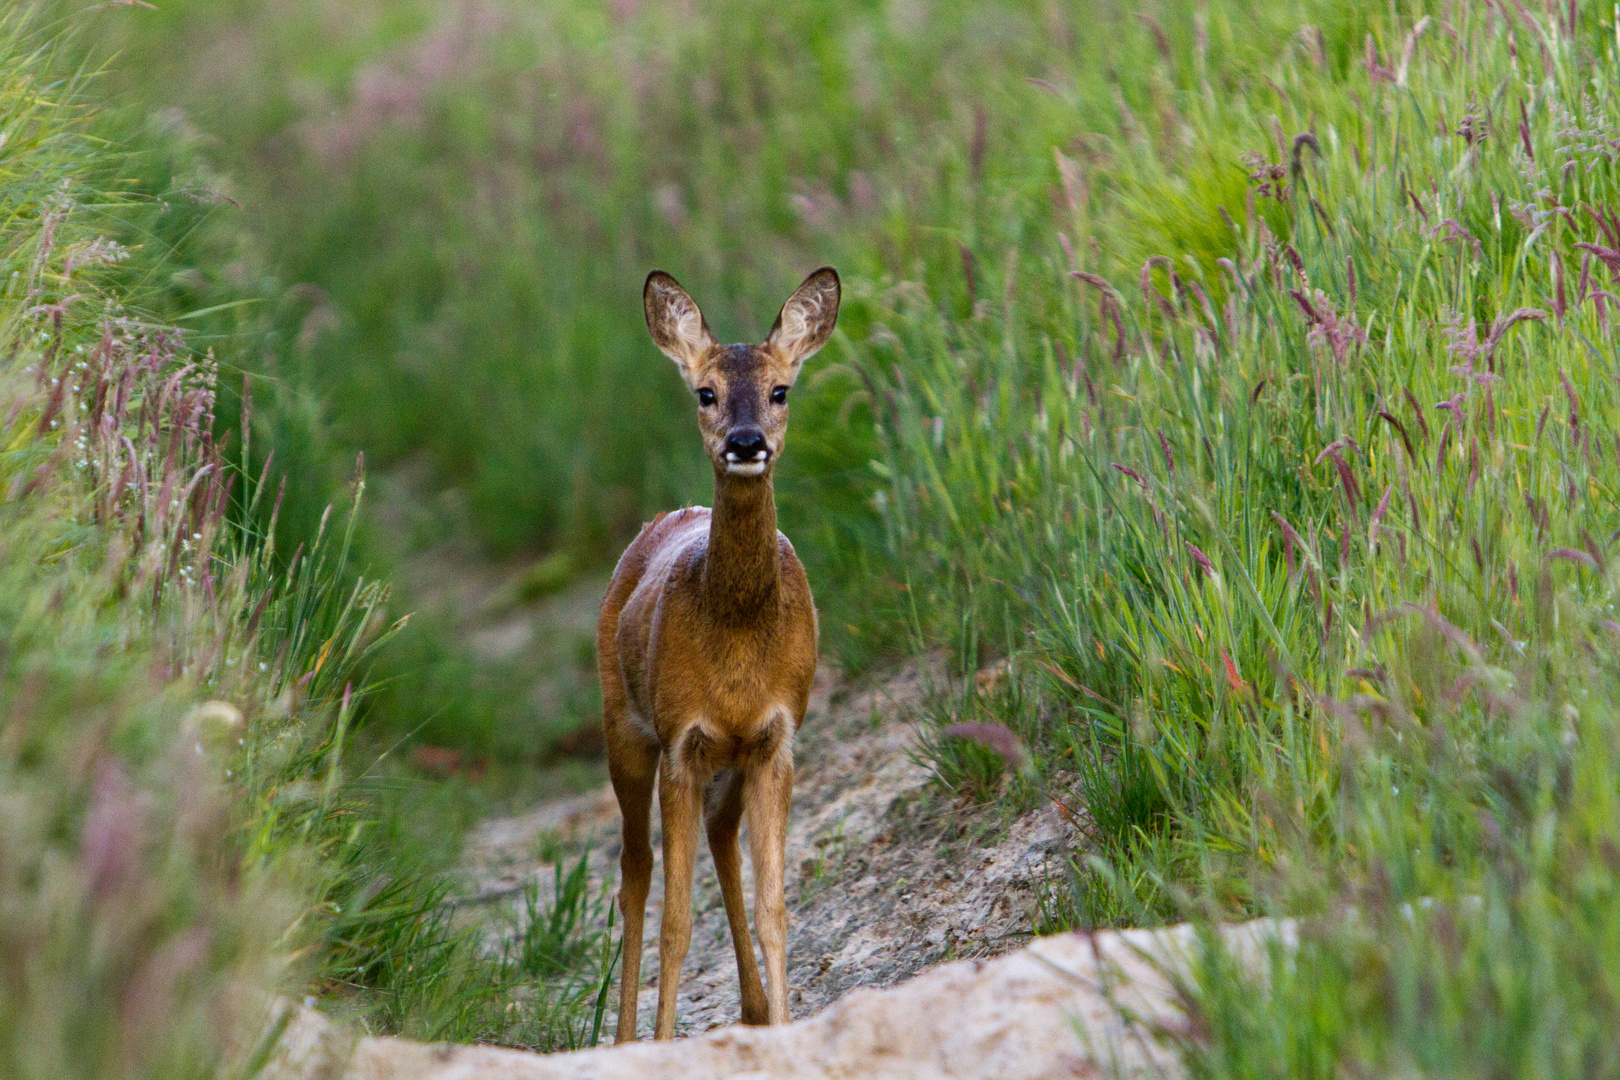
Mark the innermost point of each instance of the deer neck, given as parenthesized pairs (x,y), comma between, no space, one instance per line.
(742,568)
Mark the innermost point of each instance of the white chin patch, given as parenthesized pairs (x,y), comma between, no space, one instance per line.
(745,468)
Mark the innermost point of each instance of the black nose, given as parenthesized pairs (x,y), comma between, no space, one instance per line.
(746,444)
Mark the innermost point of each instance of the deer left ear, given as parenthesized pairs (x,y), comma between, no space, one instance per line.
(806,320)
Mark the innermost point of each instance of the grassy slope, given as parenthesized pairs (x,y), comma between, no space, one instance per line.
(124,927)
(180,822)
(1307,555)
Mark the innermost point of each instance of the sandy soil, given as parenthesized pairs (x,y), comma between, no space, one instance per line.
(884,876)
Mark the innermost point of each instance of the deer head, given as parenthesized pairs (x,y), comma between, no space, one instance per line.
(741,390)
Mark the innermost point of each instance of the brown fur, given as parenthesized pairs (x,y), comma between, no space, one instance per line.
(707,646)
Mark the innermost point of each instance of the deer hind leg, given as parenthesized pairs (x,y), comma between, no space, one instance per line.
(723,814)
(680,802)
(767,793)
(633,768)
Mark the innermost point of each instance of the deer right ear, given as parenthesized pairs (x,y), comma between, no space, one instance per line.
(675,322)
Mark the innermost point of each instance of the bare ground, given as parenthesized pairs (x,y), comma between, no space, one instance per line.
(884,875)
(1109,1004)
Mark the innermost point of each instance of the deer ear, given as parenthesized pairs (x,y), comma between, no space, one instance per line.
(807,319)
(675,322)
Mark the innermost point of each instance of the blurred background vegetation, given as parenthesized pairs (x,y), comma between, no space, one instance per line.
(450,208)
(1243,373)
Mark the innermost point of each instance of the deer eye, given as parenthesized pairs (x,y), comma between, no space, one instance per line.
(779,395)
(705,396)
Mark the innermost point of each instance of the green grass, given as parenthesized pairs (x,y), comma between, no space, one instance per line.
(187,815)
(1150,318)
(449,228)
(477,243)
(1283,680)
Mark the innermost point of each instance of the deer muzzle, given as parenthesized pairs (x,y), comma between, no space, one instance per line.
(747,451)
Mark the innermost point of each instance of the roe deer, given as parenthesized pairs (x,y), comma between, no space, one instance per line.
(707,648)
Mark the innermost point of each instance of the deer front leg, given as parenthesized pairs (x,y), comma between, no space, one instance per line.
(680,799)
(724,813)
(632,766)
(768,792)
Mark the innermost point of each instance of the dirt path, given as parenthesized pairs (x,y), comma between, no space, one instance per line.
(1064,1007)
(887,881)
(877,888)
(885,877)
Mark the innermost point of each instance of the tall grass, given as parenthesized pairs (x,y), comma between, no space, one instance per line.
(456,206)
(125,929)
(1285,463)
(476,194)
(184,836)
